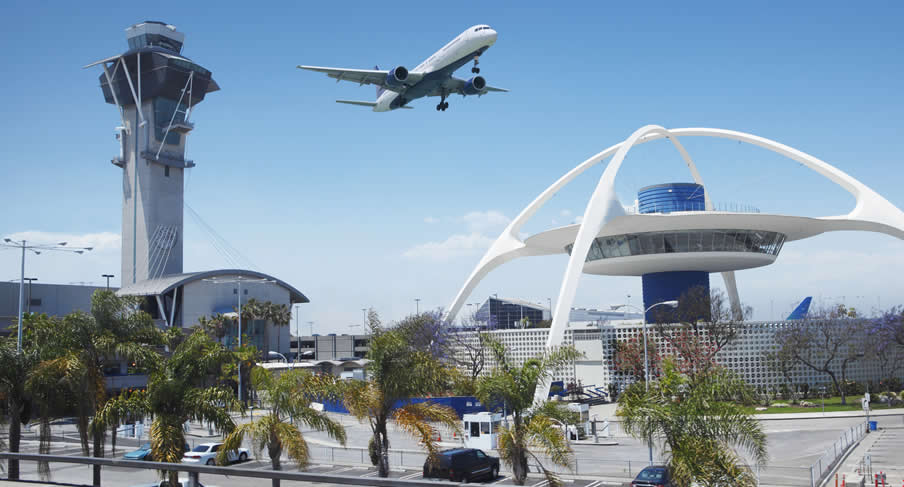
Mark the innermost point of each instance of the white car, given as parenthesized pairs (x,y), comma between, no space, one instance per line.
(206,454)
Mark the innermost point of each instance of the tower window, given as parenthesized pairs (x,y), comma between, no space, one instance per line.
(166,171)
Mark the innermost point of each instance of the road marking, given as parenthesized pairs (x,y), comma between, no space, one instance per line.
(595,483)
(503,479)
(346,469)
(409,477)
(542,483)
(371,474)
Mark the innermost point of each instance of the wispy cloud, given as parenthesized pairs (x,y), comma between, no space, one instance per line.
(476,237)
(100,242)
(481,221)
(455,246)
(431,220)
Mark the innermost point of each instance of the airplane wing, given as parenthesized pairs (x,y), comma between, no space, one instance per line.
(365,76)
(457,86)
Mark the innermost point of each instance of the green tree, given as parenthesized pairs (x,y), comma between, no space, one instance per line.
(700,423)
(289,398)
(174,395)
(402,366)
(14,371)
(533,428)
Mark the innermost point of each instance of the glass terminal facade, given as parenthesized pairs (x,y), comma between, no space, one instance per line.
(709,240)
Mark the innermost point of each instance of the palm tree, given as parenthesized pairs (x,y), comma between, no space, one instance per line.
(398,371)
(216,326)
(279,315)
(14,370)
(115,329)
(289,398)
(700,423)
(174,396)
(533,428)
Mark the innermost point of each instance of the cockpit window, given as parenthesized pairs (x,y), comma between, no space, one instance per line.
(482,27)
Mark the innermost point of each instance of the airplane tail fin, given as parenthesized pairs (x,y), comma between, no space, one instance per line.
(380,89)
(800,312)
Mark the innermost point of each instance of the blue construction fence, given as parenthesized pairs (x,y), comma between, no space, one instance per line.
(461,404)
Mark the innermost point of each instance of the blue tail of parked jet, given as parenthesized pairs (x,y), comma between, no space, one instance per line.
(800,312)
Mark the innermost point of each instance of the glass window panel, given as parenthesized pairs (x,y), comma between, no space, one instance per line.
(718,241)
(607,247)
(700,239)
(658,243)
(669,242)
(682,238)
(780,239)
(646,243)
(634,245)
(623,248)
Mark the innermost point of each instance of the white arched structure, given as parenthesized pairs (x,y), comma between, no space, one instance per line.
(872,212)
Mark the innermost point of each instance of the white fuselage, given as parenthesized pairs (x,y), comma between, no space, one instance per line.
(471,40)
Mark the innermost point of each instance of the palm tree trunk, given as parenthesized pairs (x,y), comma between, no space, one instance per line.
(275,451)
(519,466)
(15,434)
(44,444)
(82,425)
(381,439)
(99,433)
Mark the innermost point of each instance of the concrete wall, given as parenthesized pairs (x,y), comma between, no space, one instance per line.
(55,300)
(201,298)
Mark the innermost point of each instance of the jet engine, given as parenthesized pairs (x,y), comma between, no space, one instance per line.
(397,76)
(475,86)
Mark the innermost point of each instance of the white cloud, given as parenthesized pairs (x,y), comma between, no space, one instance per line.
(481,221)
(431,220)
(99,242)
(455,246)
(565,213)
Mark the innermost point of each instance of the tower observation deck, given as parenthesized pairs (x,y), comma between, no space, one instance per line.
(155,89)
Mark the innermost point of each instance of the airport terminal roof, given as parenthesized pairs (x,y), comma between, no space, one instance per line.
(165,284)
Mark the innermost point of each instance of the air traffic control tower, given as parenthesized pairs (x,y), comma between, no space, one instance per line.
(155,89)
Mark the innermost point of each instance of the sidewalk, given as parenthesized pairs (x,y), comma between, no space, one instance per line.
(832,414)
(885,450)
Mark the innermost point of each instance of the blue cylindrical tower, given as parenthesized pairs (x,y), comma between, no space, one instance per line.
(668,286)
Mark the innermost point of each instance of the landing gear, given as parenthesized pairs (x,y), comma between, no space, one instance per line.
(443,104)
(475,69)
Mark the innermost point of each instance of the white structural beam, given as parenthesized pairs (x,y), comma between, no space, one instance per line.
(872,212)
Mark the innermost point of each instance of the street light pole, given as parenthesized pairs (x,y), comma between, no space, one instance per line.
(364,312)
(238,280)
(417,304)
(646,360)
(37,249)
(108,276)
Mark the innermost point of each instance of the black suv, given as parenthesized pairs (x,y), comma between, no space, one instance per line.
(653,476)
(463,465)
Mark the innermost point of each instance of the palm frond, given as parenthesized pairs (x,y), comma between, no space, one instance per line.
(294,443)
(416,419)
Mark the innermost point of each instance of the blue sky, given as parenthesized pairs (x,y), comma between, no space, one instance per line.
(361,209)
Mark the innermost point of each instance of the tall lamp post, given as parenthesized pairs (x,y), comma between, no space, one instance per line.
(36,249)
(238,280)
(417,306)
(646,361)
(297,332)
(364,313)
(108,276)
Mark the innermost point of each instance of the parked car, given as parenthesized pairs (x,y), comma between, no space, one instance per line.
(144,453)
(653,476)
(462,465)
(206,454)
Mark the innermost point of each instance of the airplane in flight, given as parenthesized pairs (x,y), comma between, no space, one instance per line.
(433,77)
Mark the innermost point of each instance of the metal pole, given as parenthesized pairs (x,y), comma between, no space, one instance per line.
(28,299)
(241,396)
(21,298)
(646,374)
(417,304)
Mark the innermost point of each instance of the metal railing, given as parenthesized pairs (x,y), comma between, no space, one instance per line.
(194,471)
(824,464)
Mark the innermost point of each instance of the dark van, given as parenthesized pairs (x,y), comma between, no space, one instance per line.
(462,465)
(653,476)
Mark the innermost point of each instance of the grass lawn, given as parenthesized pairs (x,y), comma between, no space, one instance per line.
(832,404)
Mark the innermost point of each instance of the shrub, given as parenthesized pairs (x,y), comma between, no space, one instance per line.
(890,384)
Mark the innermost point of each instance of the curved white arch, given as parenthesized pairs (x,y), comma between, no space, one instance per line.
(872,212)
